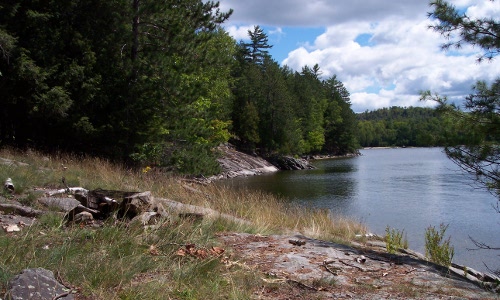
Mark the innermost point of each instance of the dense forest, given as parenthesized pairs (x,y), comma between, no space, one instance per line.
(408,126)
(157,83)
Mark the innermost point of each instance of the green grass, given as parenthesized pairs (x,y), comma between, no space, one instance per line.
(115,261)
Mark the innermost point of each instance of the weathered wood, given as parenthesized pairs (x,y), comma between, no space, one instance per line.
(21,210)
(72,190)
(188,208)
(136,203)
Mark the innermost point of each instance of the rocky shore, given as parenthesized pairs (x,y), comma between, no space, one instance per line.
(235,163)
(291,266)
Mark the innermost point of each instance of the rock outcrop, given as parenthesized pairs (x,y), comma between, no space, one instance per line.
(284,162)
(310,266)
(235,163)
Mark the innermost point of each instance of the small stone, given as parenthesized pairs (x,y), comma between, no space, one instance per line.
(83,217)
(11,228)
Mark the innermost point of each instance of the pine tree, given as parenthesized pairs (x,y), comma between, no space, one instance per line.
(259,42)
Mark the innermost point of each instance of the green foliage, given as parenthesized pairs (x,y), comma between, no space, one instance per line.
(157,83)
(460,29)
(77,76)
(394,240)
(398,126)
(477,151)
(437,249)
(278,110)
(257,47)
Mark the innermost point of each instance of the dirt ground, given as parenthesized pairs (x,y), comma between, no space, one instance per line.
(297,267)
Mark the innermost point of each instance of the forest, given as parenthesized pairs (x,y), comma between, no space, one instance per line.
(406,127)
(158,84)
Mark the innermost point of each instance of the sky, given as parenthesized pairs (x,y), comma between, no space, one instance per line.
(382,50)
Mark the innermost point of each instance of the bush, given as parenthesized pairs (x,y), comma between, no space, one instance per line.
(437,249)
(394,240)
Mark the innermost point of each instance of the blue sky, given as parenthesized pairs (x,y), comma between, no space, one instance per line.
(381,50)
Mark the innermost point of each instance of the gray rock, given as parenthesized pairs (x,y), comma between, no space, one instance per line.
(284,162)
(235,164)
(36,284)
(64,204)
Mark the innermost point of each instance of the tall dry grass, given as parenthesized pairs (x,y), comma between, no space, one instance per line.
(115,261)
(268,213)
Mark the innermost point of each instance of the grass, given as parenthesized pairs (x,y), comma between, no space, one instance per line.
(117,261)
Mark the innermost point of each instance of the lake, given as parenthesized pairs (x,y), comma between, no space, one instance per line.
(408,189)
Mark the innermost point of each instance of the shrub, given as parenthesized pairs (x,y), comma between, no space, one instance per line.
(437,249)
(394,240)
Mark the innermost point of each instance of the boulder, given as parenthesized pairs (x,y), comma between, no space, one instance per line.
(65,204)
(284,162)
(236,163)
(37,284)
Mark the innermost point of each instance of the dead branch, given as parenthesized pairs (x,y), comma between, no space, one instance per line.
(72,190)
(90,210)
(354,266)
(481,246)
(301,284)
(325,264)
(62,295)
(21,210)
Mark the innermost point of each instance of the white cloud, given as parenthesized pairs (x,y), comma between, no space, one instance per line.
(239,32)
(317,12)
(484,9)
(402,58)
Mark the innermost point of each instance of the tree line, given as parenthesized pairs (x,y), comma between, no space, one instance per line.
(158,83)
(407,127)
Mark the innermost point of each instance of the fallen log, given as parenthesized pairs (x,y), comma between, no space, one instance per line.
(193,209)
(21,210)
(73,190)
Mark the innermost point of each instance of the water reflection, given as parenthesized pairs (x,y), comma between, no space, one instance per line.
(312,188)
(408,189)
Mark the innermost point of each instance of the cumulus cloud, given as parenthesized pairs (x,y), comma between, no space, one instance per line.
(399,57)
(239,32)
(317,12)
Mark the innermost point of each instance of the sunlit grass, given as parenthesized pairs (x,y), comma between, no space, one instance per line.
(115,261)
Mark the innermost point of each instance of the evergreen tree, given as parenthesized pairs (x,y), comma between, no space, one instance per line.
(114,77)
(259,42)
(460,29)
(340,120)
(480,152)
(176,60)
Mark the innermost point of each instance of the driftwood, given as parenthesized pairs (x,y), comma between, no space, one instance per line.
(73,191)
(188,208)
(21,210)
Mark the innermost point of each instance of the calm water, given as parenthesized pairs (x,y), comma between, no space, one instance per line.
(408,189)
